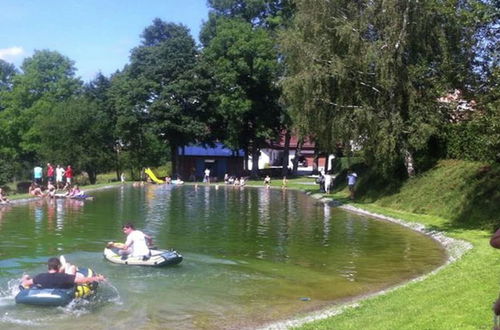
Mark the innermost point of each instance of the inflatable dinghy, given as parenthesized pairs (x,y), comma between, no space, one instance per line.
(157,258)
(83,196)
(57,297)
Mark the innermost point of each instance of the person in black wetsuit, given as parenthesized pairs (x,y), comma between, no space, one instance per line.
(55,279)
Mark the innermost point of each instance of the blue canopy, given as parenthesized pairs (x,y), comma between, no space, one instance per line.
(219,150)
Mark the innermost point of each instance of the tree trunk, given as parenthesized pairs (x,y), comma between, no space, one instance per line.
(173,157)
(286,154)
(298,153)
(92,176)
(255,163)
(118,168)
(315,164)
(409,163)
(245,161)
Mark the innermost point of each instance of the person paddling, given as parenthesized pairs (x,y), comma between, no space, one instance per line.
(57,278)
(136,244)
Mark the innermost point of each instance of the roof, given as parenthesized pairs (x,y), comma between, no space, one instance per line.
(294,141)
(219,150)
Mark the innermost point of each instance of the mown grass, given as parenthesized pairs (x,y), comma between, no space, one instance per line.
(457,199)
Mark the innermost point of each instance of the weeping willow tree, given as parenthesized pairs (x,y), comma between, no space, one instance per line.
(368,73)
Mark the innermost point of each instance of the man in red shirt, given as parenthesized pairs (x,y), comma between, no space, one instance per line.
(69,175)
(50,173)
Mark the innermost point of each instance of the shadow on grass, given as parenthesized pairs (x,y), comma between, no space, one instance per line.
(480,208)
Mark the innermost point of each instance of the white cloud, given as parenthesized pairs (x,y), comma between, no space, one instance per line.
(11,53)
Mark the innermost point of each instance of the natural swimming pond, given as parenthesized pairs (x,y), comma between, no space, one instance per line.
(252,256)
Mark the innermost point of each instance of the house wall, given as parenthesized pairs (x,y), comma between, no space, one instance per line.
(192,168)
(272,157)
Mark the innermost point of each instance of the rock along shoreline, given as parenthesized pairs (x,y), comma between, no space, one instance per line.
(454,248)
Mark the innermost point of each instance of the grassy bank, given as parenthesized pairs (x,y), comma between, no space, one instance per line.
(459,199)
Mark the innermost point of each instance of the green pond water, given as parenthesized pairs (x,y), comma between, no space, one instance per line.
(251,257)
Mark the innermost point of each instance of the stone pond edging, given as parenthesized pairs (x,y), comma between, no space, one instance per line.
(455,249)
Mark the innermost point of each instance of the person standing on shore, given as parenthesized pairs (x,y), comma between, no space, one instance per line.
(69,175)
(37,174)
(206,178)
(59,177)
(50,173)
(328,182)
(352,177)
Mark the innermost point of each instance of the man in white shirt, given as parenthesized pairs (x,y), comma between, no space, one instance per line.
(59,177)
(328,182)
(206,179)
(136,244)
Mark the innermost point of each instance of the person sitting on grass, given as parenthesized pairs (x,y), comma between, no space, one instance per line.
(75,192)
(284,183)
(267,181)
(51,190)
(3,197)
(35,190)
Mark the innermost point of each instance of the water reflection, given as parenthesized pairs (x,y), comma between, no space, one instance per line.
(249,254)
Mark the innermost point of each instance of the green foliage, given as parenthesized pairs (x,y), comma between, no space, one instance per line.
(342,164)
(47,78)
(474,140)
(244,67)
(160,93)
(371,72)
(6,171)
(7,73)
(268,14)
(478,137)
(78,133)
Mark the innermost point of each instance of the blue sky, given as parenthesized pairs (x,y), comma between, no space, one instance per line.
(96,34)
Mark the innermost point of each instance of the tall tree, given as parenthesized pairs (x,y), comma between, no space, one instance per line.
(164,66)
(369,72)
(77,132)
(244,65)
(7,72)
(136,144)
(46,79)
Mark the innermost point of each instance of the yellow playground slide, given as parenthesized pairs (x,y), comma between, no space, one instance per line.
(152,176)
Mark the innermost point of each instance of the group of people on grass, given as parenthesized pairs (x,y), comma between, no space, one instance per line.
(325,181)
(267,182)
(58,176)
(233,180)
(57,179)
